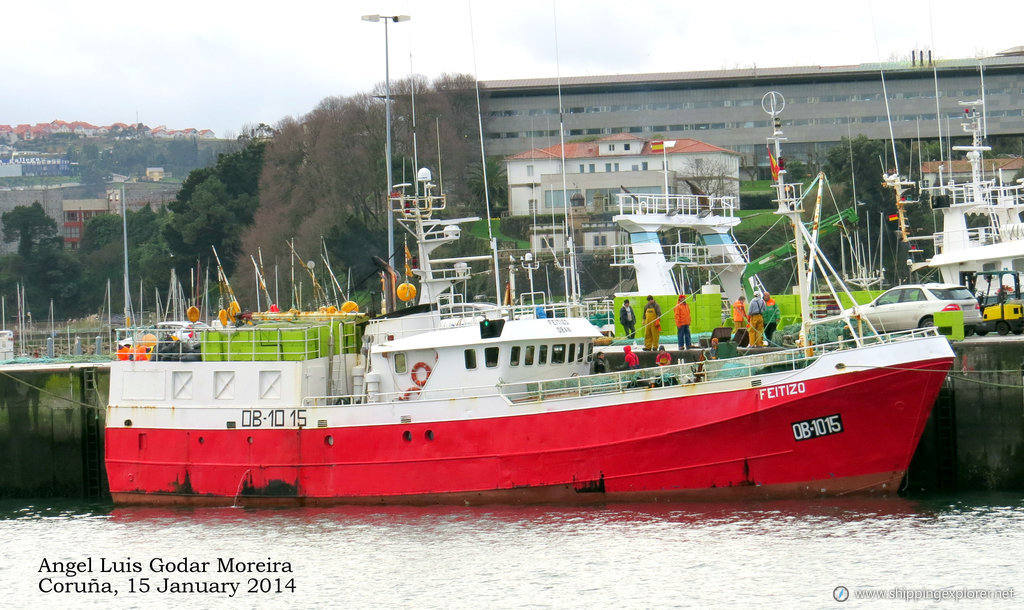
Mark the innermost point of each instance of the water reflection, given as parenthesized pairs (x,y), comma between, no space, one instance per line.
(771,553)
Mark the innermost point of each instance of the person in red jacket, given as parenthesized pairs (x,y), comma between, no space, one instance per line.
(632,360)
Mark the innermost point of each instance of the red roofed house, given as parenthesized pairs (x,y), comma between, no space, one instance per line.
(596,171)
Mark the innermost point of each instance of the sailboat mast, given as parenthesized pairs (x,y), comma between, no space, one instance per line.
(127,290)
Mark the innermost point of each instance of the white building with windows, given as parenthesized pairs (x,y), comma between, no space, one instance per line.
(597,170)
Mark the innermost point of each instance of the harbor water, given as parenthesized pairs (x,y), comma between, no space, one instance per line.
(779,554)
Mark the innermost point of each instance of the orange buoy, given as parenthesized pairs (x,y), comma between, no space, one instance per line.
(406,292)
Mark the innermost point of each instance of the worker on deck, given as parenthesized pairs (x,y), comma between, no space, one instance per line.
(632,360)
(652,324)
(772,315)
(756,316)
(628,319)
(739,313)
(682,313)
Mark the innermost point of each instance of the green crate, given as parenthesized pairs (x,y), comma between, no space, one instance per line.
(950,324)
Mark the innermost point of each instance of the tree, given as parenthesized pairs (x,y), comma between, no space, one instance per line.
(711,176)
(865,172)
(100,231)
(497,184)
(213,208)
(30,227)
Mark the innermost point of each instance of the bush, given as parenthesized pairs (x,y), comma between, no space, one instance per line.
(758,201)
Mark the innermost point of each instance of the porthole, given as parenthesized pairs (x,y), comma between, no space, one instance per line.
(429,434)
(248,440)
(329,440)
(201,440)
(127,423)
(407,436)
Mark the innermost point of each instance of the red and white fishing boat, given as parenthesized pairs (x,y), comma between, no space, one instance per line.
(455,402)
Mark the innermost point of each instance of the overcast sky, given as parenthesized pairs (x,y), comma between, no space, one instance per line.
(223,64)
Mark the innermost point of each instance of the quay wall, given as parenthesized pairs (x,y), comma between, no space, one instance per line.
(51,425)
(986,415)
(51,430)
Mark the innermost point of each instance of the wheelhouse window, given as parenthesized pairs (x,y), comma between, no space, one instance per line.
(470,355)
(528,360)
(491,357)
(513,358)
(572,352)
(590,352)
(558,353)
(542,356)
(400,363)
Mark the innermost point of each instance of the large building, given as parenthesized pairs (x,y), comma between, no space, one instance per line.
(823,105)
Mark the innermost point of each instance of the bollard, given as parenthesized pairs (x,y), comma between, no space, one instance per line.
(49,347)
(99,345)
(77,349)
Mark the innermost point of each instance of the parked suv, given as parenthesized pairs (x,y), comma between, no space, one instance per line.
(914,306)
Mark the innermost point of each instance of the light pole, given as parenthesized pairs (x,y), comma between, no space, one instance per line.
(387,122)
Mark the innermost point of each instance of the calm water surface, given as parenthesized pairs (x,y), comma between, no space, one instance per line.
(765,554)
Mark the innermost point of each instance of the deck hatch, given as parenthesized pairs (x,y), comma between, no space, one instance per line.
(224,385)
(270,385)
(181,384)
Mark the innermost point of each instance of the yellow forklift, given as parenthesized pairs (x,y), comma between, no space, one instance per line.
(1002,309)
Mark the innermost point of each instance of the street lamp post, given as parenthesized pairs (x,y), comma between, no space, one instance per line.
(387,121)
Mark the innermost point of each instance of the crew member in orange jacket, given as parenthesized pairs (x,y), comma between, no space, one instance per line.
(739,313)
(682,312)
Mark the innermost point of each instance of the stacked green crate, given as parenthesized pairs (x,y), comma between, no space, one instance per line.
(212,346)
(705,311)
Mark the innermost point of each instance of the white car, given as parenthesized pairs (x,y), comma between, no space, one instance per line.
(915,305)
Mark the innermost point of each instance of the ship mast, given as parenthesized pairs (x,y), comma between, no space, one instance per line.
(789,198)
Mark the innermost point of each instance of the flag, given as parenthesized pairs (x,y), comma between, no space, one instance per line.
(658,146)
(408,259)
(893,217)
(774,164)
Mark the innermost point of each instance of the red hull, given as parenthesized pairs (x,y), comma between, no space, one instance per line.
(734,444)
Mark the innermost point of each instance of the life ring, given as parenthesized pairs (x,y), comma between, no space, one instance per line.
(410,393)
(415,373)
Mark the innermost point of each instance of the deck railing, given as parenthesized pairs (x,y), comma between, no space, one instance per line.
(739,368)
(259,342)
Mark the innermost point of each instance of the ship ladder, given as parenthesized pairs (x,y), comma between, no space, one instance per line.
(348,338)
(92,443)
